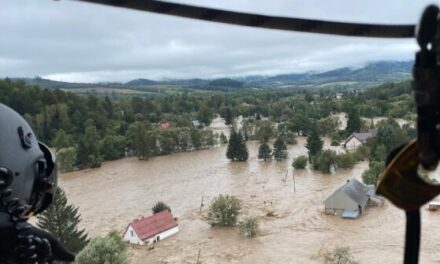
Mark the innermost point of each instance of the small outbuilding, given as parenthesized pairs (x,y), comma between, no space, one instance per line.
(349,200)
(151,229)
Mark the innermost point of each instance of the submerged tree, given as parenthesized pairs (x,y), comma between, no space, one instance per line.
(264,152)
(279,149)
(314,142)
(340,255)
(224,211)
(300,162)
(237,149)
(159,207)
(249,227)
(62,219)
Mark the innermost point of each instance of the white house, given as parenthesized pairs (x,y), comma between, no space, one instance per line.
(357,139)
(151,229)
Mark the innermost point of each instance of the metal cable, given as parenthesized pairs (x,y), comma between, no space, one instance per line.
(264,21)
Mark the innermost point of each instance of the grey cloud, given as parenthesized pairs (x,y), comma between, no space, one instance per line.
(83,42)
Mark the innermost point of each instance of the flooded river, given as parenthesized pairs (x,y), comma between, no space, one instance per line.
(112,196)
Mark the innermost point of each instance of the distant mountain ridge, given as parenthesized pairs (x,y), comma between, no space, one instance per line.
(370,74)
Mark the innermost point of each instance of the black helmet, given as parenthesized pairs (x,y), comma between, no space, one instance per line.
(28,173)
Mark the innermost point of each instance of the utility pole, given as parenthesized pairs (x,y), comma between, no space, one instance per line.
(201,204)
(294,183)
(198,256)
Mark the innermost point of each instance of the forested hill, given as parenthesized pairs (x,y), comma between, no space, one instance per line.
(370,75)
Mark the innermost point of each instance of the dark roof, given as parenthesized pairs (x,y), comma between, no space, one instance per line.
(153,225)
(362,136)
(356,190)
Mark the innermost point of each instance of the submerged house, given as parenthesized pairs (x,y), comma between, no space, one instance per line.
(151,229)
(351,199)
(357,139)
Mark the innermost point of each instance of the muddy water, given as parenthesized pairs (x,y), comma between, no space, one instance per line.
(112,196)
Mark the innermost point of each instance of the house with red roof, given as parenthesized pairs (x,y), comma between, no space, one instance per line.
(163,125)
(152,229)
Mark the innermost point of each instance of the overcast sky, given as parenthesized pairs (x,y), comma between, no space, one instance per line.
(72,41)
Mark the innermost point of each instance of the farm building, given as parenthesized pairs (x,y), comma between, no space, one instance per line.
(151,229)
(357,139)
(351,199)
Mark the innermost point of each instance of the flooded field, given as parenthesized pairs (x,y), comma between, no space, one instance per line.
(112,196)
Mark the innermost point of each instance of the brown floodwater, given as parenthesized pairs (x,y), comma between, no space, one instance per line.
(110,197)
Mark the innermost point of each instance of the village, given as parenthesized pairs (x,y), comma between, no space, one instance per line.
(265,190)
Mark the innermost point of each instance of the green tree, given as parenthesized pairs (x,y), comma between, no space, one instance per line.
(141,139)
(228,116)
(371,176)
(223,138)
(288,137)
(205,115)
(300,162)
(279,149)
(237,149)
(62,140)
(113,147)
(314,142)
(346,161)
(340,255)
(62,219)
(224,211)
(249,227)
(184,139)
(324,161)
(89,149)
(159,207)
(106,250)
(264,130)
(390,134)
(196,138)
(264,152)
(354,122)
(300,123)
(66,158)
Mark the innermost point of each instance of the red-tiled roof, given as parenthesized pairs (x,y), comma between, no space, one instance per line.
(153,225)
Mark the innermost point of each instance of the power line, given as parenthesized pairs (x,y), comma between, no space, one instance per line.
(264,21)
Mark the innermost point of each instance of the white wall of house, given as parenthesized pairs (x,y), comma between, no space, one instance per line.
(353,143)
(131,236)
(162,235)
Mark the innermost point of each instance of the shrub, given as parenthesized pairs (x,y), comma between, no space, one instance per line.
(109,250)
(159,207)
(371,175)
(324,161)
(249,227)
(340,255)
(300,162)
(346,161)
(224,211)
